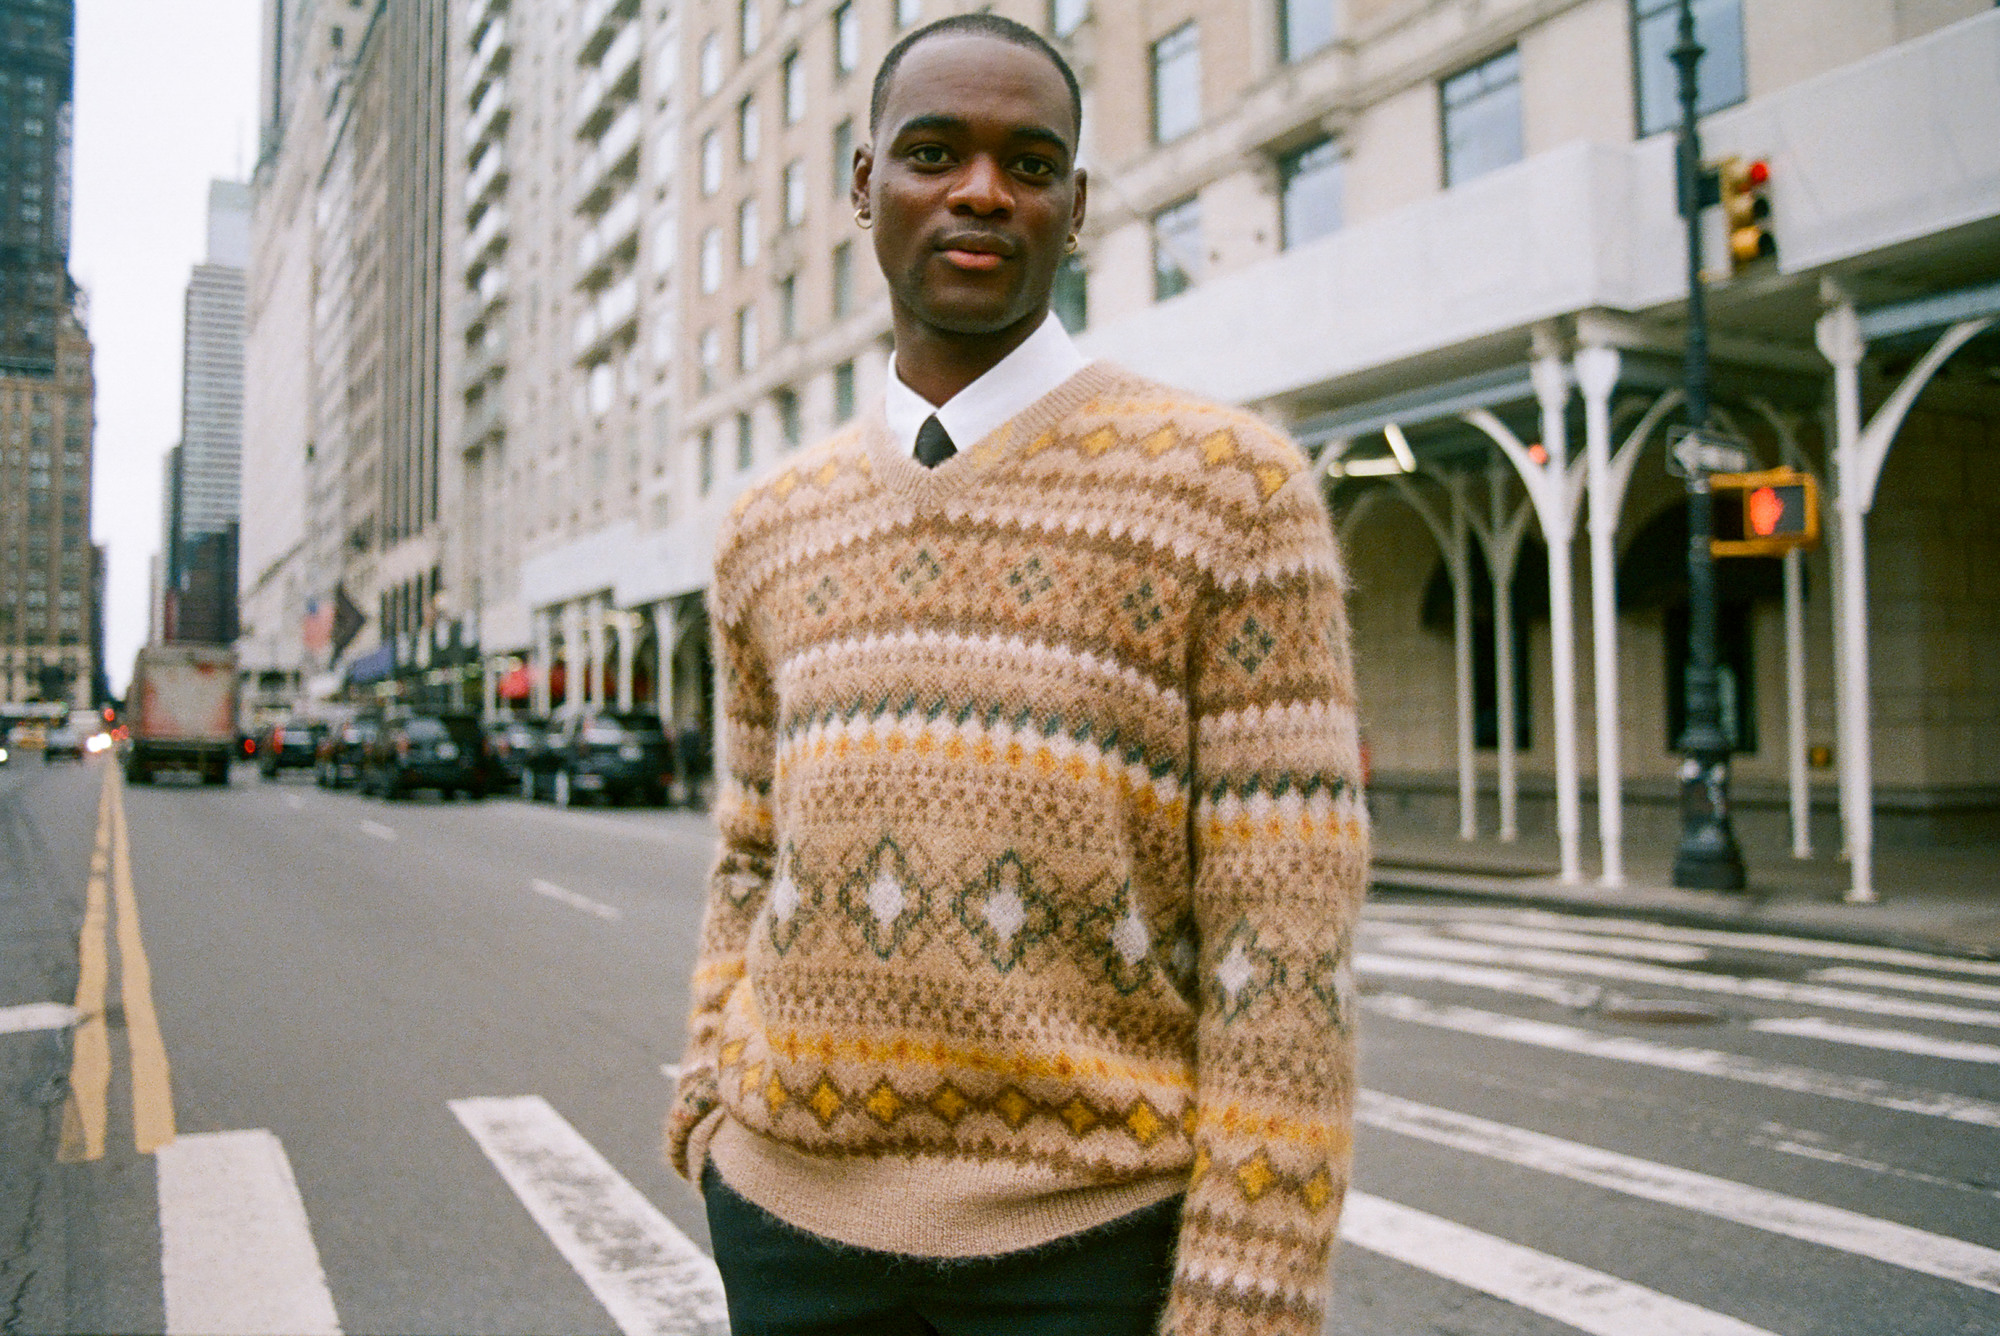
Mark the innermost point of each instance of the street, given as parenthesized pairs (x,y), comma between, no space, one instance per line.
(411,1060)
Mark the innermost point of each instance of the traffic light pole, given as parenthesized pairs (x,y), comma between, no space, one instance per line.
(1708,857)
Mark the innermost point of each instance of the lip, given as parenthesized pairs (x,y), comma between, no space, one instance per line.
(976,250)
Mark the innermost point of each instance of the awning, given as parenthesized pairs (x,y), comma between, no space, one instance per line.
(372,666)
(516,684)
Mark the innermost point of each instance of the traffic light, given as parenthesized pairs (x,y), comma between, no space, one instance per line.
(1744,188)
(1763,514)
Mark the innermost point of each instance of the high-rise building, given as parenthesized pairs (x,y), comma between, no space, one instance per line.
(47,590)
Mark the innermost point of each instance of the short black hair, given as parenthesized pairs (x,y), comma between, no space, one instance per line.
(975,25)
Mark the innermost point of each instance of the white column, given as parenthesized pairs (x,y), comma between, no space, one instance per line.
(1597,374)
(1795,703)
(572,656)
(593,653)
(489,686)
(1839,333)
(1551,378)
(540,661)
(1501,554)
(1458,560)
(628,648)
(663,677)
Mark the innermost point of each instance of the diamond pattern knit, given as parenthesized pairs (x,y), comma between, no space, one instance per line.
(1042,841)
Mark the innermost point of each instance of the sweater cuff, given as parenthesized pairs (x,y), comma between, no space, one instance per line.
(1237,1277)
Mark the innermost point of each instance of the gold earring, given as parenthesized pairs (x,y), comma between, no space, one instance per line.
(862,220)
(1069,247)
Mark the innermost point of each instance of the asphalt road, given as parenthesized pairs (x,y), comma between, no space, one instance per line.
(416,1049)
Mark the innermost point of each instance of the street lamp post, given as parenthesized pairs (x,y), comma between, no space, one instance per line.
(1708,857)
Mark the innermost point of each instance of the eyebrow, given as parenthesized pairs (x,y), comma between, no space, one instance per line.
(941,122)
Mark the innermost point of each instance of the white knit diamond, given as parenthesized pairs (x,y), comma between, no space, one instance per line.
(1005,913)
(1235,971)
(784,897)
(1130,937)
(886,898)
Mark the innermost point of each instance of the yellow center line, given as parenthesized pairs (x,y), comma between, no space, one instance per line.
(152,1086)
(90,1060)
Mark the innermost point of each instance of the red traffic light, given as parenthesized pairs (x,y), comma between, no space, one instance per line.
(1765,511)
(1763,514)
(1758,172)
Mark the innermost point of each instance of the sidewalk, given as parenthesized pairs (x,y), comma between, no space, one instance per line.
(1943,898)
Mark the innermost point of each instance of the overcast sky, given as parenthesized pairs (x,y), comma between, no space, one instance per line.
(166,101)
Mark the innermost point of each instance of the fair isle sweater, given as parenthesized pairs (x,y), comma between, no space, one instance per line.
(1042,849)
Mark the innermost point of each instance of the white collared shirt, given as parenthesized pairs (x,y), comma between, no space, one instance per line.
(1045,359)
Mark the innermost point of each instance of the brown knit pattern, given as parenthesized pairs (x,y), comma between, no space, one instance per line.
(1042,833)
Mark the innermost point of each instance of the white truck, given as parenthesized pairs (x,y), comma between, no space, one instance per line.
(180,710)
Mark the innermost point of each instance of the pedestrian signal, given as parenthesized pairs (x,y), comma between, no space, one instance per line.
(1743,185)
(1763,514)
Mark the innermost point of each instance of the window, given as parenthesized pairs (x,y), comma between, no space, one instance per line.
(1718,26)
(746,233)
(746,443)
(711,260)
(794,79)
(708,351)
(1304,26)
(843,392)
(1309,182)
(790,427)
(908,12)
(1071,297)
(746,339)
(788,307)
(1066,16)
(843,279)
(747,28)
(746,130)
(711,162)
(843,158)
(711,64)
(846,40)
(1482,118)
(1176,83)
(793,188)
(1176,248)
(705,460)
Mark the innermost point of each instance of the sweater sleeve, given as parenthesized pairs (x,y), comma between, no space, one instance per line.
(1280,845)
(737,886)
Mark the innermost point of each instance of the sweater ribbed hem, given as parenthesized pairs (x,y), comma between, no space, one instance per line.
(922,1205)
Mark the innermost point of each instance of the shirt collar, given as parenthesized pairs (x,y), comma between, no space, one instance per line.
(1045,359)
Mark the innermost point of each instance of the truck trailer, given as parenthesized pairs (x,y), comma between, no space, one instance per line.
(181,712)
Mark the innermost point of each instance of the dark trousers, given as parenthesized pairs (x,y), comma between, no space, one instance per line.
(782,1281)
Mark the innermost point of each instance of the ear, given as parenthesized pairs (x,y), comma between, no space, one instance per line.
(1082,179)
(864,168)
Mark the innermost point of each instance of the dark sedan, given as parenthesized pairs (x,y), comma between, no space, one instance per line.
(446,752)
(510,744)
(290,745)
(342,751)
(615,758)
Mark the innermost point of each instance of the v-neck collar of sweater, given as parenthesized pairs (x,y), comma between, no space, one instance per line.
(903,475)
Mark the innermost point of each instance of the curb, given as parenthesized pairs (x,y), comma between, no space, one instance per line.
(1747,915)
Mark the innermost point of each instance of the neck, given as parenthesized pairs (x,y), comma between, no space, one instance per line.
(938,363)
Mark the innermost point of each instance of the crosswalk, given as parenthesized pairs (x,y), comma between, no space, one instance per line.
(1487,977)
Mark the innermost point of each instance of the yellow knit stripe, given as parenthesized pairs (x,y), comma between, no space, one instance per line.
(942,1055)
(1225,832)
(728,970)
(1237,1120)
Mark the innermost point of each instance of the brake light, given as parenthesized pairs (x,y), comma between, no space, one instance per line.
(249,746)
(402,746)
(278,738)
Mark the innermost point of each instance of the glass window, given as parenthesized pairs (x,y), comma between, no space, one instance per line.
(746,339)
(1176,83)
(794,191)
(746,130)
(1718,26)
(1309,181)
(1304,26)
(711,64)
(747,238)
(1176,248)
(846,40)
(747,28)
(843,158)
(1066,16)
(746,444)
(1482,118)
(794,78)
(908,12)
(843,279)
(1071,298)
(705,461)
(788,307)
(711,259)
(708,349)
(790,426)
(711,162)
(843,392)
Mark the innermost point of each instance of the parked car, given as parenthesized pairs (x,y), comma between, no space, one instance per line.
(610,756)
(342,749)
(290,744)
(509,745)
(62,744)
(446,752)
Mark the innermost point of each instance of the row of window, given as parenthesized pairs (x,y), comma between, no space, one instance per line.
(785,404)
(846,25)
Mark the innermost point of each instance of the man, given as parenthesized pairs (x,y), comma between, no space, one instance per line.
(1023,1004)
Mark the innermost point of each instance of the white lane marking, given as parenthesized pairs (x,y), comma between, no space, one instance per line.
(1818,948)
(1865,1036)
(1479,976)
(236,1250)
(649,1276)
(1697,1061)
(1909,983)
(378,830)
(1672,953)
(1587,1300)
(1794,1217)
(609,913)
(37,1016)
(295,801)
(1827,1155)
(1769,990)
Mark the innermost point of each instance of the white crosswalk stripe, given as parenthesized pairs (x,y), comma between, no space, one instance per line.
(1865,1036)
(1911,983)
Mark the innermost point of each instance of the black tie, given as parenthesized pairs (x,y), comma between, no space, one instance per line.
(933,443)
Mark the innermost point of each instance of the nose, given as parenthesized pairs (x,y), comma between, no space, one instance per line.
(981,188)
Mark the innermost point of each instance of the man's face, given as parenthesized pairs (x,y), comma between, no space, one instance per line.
(971,184)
